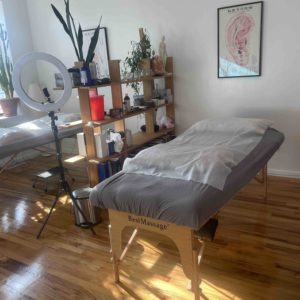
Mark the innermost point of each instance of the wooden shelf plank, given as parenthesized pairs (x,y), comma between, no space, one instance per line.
(109,120)
(146,78)
(142,78)
(141,138)
(94,86)
(85,87)
(138,140)
(106,121)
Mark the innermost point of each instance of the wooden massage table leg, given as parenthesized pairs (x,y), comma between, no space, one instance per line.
(116,246)
(190,249)
(262,177)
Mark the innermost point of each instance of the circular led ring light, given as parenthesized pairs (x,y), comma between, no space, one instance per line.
(47,106)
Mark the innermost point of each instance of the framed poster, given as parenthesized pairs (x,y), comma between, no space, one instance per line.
(239,40)
(101,52)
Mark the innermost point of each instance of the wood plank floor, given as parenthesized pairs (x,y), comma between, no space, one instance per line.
(255,255)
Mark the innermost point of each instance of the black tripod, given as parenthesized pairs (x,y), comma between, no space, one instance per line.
(64,185)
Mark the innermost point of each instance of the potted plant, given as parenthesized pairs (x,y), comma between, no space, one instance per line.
(9,104)
(76,35)
(138,61)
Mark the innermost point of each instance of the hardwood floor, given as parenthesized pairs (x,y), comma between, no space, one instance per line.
(255,254)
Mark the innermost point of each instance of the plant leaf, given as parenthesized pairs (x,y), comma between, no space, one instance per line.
(80,41)
(93,44)
(68,19)
(61,19)
(67,27)
(76,36)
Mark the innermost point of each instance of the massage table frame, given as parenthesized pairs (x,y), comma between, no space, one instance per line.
(189,244)
(12,157)
(41,146)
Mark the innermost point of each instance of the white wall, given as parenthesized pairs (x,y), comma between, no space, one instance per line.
(20,39)
(190,28)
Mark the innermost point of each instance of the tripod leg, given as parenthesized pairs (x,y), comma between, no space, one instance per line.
(68,190)
(48,216)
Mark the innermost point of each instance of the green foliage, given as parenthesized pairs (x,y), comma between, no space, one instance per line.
(133,62)
(6,67)
(76,36)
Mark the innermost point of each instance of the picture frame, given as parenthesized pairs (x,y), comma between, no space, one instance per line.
(101,52)
(240,40)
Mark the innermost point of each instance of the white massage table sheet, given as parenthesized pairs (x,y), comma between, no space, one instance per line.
(204,153)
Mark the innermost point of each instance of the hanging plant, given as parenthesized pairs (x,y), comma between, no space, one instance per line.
(76,35)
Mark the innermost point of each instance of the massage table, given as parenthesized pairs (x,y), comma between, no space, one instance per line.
(34,134)
(179,209)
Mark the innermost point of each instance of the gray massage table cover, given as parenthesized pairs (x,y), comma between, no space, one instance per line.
(182,202)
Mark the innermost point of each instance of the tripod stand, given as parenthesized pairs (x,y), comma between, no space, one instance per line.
(64,185)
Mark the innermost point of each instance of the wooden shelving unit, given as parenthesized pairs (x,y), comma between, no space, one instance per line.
(89,128)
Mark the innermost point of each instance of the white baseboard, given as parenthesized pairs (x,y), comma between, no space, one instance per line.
(284,173)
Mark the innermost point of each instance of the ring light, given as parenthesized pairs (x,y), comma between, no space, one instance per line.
(51,108)
(47,106)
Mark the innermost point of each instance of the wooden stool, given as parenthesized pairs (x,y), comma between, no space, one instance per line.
(49,174)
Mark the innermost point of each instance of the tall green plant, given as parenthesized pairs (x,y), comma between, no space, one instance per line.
(6,67)
(76,35)
(133,62)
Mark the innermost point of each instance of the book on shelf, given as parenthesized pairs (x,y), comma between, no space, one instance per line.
(101,145)
(110,167)
(103,170)
(81,144)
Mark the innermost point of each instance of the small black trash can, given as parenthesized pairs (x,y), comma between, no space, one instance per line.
(91,212)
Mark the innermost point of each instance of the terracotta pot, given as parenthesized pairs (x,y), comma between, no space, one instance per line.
(9,106)
(157,65)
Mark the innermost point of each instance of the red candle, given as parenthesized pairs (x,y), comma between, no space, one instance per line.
(97,107)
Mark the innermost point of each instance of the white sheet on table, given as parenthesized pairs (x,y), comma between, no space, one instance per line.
(35,128)
(204,153)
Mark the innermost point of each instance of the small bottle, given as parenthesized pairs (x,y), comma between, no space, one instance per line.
(156,92)
(93,70)
(126,103)
(128,135)
(85,76)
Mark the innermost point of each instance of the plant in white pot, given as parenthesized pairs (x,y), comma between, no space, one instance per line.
(9,104)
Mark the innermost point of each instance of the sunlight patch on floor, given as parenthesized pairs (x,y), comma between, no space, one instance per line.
(21,281)
(74,159)
(209,288)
